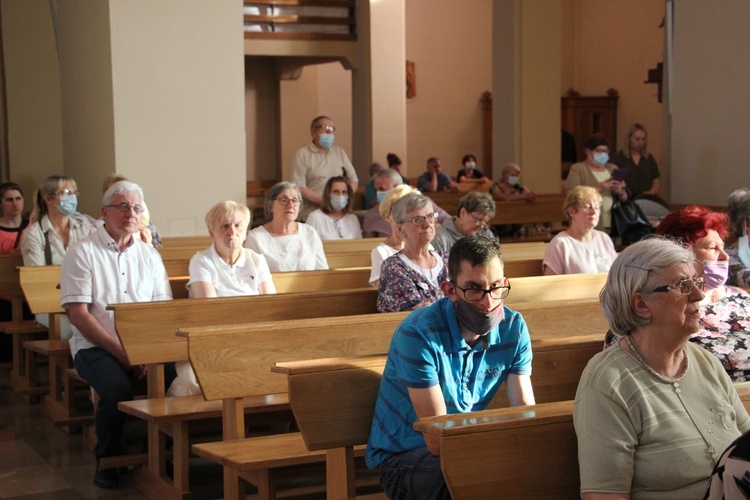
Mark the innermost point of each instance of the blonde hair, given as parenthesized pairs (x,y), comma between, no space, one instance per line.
(394,195)
(578,196)
(50,186)
(225,210)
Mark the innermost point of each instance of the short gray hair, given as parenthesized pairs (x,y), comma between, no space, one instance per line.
(274,193)
(409,203)
(389,173)
(630,274)
(481,203)
(121,187)
(738,204)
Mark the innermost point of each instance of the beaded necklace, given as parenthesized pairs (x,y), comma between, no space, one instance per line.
(667,380)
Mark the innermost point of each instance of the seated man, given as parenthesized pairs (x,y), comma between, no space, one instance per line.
(447,358)
(475,210)
(108,267)
(374,226)
(435,180)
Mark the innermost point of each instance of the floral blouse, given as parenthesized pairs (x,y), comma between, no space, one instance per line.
(401,287)
(725,331)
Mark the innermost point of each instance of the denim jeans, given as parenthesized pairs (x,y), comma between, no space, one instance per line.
(111,381)
(413,474)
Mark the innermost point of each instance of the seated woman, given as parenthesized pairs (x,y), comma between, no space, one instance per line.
(334,220)
(12,222)
(287,245)
(725,310)
(475,210)
(580,249)
(508,187)
(54,223)
(469,173)
(596,172)
(393,243)
(411,278)
(225,269)
(739,253)
(653,413)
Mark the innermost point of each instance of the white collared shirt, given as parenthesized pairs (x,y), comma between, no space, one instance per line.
(242,278)
(32,244)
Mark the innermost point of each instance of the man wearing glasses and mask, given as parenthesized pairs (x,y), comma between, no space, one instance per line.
(110,266)
(317,162)
(446,358)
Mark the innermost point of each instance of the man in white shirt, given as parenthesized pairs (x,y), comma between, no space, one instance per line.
(317,162)
(108,267)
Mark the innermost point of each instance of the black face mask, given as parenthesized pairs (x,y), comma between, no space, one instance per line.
(477,321)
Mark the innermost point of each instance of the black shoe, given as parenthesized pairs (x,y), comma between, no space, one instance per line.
(106,478)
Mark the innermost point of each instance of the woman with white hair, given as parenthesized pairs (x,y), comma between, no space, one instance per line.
(654,412)
(286,244)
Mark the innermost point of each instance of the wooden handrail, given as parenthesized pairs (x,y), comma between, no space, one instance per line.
(295,19)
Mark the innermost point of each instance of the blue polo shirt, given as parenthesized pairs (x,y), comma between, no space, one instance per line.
(428,349)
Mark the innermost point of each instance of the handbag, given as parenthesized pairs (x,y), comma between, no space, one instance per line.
(629,223)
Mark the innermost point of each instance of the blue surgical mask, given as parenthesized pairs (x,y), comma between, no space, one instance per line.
(743,251)
(513,181)
(326,140)
(339,201)
(471,165)
(601,159)
(381,195)
(68,204)
(715,272)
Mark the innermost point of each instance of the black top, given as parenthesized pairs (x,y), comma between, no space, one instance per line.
(639,177)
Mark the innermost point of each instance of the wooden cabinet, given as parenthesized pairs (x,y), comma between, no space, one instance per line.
(584,116)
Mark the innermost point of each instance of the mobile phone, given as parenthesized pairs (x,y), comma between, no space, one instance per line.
(619,174)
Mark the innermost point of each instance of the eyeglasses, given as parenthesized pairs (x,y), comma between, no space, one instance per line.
(125,208)
(286,201)
(480,223)
(64,192)
(419,220)
(477,294)
(327,128)
(685,286)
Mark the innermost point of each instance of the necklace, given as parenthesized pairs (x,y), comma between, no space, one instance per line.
(667,380)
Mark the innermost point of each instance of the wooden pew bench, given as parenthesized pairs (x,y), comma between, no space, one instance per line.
(334,399)
(546,208)
(158,345)
(232,363)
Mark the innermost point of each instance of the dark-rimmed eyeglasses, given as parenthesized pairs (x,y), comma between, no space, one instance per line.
(286,201)
(479,222)
(125,208)
(684,286)
(419,220)
(477,294)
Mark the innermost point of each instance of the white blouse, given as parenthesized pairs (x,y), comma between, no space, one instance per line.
(294,252)
(346,228)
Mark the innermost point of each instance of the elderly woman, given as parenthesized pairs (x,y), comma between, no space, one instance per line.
(598,173)
(411,278)
(334,220)
(54,224)
(469,173)
(288,245)
(580,249)
(225,269)
(393,243)
(654,412)
(739,254)
(725,310)
(12,222)
(475,210)
(641,167)
(509,188)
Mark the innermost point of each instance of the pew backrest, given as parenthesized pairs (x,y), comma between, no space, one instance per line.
(10,284)
(556,287)
(41,287)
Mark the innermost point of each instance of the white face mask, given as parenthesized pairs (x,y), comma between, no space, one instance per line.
(743,251)
(338,201)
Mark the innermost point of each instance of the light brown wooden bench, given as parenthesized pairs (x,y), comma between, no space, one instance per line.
(201,241)
(556,287)
(546,208)
(158,344)
(334,399)
(235,362)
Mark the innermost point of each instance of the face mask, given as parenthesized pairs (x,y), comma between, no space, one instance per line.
(715,272)
(68,204)
(471,165)
(338,201)
(477,321)
(601,159)
(326,140)
(381,195)
(513,181)
(743,251)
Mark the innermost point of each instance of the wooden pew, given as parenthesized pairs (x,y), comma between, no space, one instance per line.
(546,208)
(233,363)
(158,344)
(333,400)
(203,241)
(556,287)
(20,329)
(345,246)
